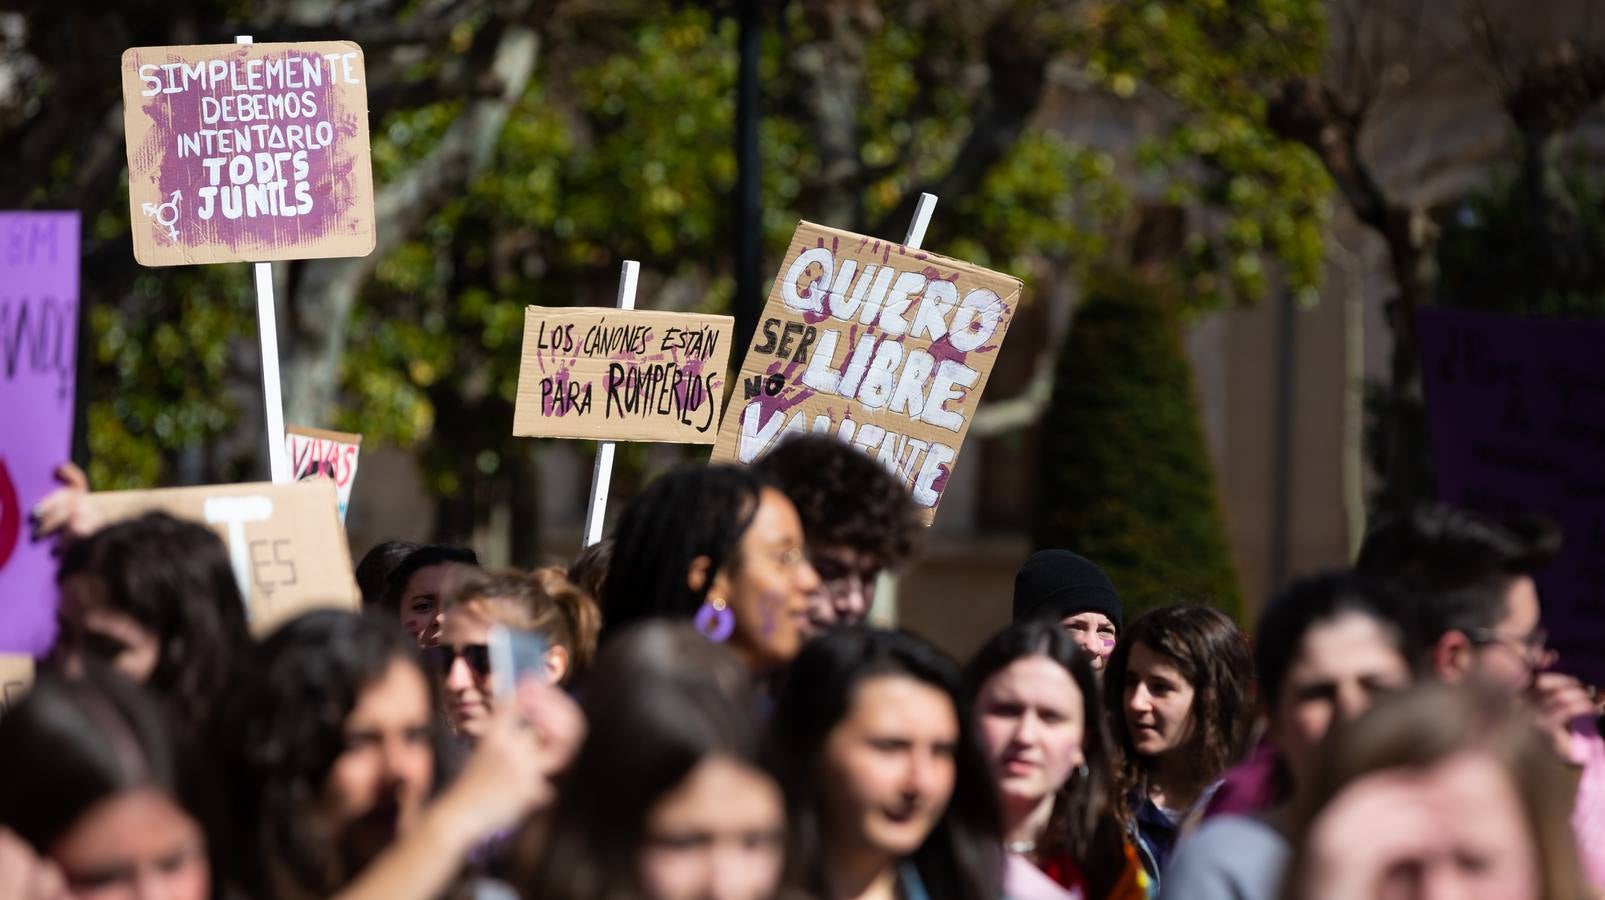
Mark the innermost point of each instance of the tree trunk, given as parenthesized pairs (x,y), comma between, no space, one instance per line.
(1312,114)
(325,291)
(833,63)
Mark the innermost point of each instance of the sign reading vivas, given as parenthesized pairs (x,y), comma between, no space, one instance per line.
(1516,407)
(622,375)
(247,152)
(884,346)
(317,453)
(38,372)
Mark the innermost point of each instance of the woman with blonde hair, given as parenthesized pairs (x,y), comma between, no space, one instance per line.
(1438,791)
(542,601)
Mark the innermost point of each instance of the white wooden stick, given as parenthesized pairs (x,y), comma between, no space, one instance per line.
(267,327)
(602,477)
(272,396)
(922,219)
(884,610)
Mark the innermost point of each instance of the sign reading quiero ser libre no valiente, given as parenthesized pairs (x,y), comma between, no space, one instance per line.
(885,346)
(247,152)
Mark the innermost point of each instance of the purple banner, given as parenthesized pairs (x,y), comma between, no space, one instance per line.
(38,362)
(1517,411)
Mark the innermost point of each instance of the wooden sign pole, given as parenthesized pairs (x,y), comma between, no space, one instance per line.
(602,477)
(922,220)
(884,611)
(268,331)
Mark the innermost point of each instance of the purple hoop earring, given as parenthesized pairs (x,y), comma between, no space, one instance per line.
(715,620)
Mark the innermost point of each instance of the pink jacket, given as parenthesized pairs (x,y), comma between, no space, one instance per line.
(1588,816)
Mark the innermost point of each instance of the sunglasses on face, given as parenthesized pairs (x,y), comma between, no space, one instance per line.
(443,656)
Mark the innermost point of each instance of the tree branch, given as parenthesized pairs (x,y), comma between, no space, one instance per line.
(1017,63)
(1554,91)
(327,290)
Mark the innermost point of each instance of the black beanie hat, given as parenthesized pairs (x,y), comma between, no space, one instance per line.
(1057,583)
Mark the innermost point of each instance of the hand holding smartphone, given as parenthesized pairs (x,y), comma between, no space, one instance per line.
(514,656)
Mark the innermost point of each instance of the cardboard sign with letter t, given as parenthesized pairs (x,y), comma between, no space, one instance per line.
(885,346)
(284,541)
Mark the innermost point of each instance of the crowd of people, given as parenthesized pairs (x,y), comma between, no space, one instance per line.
(711,719)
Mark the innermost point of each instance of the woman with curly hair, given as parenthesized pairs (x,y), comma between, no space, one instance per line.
(1179,687)
(722,548)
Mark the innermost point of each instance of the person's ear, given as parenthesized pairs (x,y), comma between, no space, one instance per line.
(696,577)
(1453,657)
(556,663)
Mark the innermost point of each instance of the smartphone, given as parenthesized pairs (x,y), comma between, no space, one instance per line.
(514,656)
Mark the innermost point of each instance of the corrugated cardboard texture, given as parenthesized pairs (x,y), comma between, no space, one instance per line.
(622,375)
(285,539)
(887,347)
(247,152)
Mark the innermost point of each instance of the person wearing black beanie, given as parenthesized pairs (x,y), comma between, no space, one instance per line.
(1069,588)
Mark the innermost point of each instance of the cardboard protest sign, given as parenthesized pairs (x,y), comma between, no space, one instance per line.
(1516,407)
(316,453)
(247,152)
(622,375)
(885,346)
(38,368)
(16,676)
(285,541)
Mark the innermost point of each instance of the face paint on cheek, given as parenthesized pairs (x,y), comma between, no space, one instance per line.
(768,605)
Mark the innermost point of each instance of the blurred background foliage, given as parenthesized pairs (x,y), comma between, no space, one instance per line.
(621,146)
(1165,159)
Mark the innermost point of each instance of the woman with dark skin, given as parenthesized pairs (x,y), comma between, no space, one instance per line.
(720,547)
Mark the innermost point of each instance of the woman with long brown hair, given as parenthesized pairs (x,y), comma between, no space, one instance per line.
(1179,689)
(1037,706)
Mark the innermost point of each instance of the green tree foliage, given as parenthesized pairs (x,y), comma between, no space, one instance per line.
(1504,250)
(631,156)
(621,147)
(1215,62)
(1126,478)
